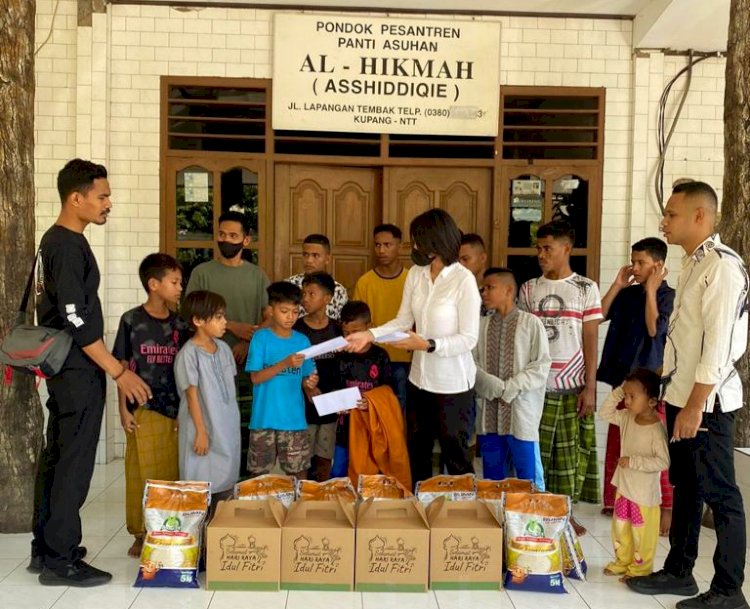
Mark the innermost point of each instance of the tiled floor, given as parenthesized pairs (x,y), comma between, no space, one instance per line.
(107,541)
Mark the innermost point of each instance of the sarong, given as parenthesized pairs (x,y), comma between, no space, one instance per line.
(568,447)
(150,454)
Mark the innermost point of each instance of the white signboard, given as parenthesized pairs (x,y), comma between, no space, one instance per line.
(385,75)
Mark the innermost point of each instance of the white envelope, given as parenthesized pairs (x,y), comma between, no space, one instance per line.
(393,337)
(325,347)
(336,401)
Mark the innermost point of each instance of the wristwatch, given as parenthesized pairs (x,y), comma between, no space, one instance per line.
(431,345)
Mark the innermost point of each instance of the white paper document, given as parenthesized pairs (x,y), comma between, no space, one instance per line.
(336,401)
(325,347)
(393,337)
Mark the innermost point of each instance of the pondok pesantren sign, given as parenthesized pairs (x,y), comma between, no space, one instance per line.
(385,75)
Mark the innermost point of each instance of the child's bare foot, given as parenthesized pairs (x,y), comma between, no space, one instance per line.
(607,511)
(135,549)
(624,578)
(577,527)
(608,571)
(666,522)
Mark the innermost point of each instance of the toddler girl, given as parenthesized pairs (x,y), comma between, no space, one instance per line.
(643,455)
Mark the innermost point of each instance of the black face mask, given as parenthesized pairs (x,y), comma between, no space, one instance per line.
(229,250)
(420,258)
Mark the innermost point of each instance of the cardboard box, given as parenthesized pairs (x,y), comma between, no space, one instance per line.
(393,546)
(317,546)
(466,546)
(243,545)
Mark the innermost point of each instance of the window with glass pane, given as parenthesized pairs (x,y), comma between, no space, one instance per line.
(194,199)
(570,196)
(524,268)
(239,192)
(189,258)
(526,210)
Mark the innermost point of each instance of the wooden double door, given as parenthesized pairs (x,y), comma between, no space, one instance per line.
(347,203)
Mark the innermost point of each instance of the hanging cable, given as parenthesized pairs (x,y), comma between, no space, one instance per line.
(51,28)
(663,136)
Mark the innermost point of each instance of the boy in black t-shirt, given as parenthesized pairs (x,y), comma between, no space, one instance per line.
(367,370)
(147,342)
(317,292)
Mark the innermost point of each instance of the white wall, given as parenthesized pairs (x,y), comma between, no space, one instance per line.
(98,97)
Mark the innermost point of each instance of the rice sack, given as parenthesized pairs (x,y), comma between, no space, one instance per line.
(453,488)
(173,514)
(326,491)
(380,486)
(491,491)
(574,563)
(283,488)
(534,526)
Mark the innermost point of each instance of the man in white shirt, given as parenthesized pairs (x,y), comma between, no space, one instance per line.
(707,335)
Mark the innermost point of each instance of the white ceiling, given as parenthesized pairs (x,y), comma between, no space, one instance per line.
(657,24)
(700,25)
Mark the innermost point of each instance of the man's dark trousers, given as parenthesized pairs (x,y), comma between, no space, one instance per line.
(76,406)
(702,470)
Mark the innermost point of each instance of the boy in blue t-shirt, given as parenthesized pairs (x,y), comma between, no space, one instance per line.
(278,427)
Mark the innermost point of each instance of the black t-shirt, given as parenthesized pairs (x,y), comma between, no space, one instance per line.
(324,364)
(69,299)
(364,370)
(150,345)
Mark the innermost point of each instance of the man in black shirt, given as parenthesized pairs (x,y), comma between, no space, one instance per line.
(69,300)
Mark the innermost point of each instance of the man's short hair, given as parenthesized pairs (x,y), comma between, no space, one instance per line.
(473,239)
(680,181)
(156,266)
(235,216)
(503,272)
(388,228)
(78,176)
(318,239)
(557,230)
(283,292)
(355,310)
(653,246)
(321,279)
(698,189)
(435,232)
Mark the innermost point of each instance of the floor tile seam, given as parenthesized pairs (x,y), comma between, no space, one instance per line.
(7,575)
(135,598)
(62,593)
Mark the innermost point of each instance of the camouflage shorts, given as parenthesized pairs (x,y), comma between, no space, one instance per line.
(322,439)
(292,448)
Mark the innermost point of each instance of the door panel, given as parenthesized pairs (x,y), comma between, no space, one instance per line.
(410,201)
(351,204)
(308,200)
(460,201)
(464,193)
(343,203)
(533,195)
